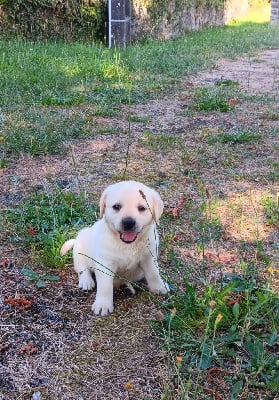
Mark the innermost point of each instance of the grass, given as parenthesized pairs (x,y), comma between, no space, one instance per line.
(45,220)
(218,328)
(77,75)
(230,328)
(234,137)
(213,99)
(221,333)
(271,206)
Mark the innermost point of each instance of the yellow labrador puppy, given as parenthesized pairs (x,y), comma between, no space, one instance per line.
(122,244)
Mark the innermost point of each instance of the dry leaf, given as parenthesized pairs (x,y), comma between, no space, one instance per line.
(129,386)
(29,348)
(175,210)
(223,257)
(20,303)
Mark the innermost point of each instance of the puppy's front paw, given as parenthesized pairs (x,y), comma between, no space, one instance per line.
(160,287)
(86,281)
(102,307)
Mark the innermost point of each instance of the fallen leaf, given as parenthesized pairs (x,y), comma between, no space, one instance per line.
(6,263)
(233,102)
(29,348)
(176,209)
(160,316)
(31,230)
(20,303)
(233,301)
(222,257)
(129,386)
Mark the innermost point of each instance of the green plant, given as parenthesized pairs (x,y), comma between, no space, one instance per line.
(235,136)
(210,99)
(45,19)
(226,82)
(42,133)
(45,220)
(70,100)
(3,162)
(138,118)
(238,136)
(271,205)
(160,142)
(40,279)
(225,323)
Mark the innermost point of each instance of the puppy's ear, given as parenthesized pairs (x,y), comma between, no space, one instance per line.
(102,203)
(158,206)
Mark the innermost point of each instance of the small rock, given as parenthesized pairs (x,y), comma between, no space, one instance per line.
(36,396)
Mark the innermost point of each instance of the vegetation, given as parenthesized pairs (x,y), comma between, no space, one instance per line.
(81,75)
(218,330)
(53,19)
(45,220)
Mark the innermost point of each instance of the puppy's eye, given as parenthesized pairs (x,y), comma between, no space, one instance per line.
(141,208)
(116,207)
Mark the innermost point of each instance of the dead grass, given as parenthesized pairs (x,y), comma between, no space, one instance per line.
(79,356)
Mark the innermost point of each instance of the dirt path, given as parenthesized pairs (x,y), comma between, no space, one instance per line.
(81,357)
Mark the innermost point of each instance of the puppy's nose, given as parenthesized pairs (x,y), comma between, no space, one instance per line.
(128,224)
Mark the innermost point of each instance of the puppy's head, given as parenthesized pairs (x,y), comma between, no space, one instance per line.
(128,207)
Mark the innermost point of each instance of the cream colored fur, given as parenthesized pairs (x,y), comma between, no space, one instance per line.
(101,249)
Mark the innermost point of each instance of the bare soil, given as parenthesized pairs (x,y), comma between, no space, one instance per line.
(57,349)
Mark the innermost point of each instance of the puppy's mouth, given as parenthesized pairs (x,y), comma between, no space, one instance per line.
(128,236)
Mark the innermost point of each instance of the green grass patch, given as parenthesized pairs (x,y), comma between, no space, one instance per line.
(233,137)
(159,142)
(62,76)
(63,101)
(42,132)
(271,206)
(45,220)
(238,136)
(215,98)
(232,323)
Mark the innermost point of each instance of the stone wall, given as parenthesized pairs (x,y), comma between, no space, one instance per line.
(274,16)
(176,17)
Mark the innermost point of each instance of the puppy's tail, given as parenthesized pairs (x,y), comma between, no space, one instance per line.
(67,246)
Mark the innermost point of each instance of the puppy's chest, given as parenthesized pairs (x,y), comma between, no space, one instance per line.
(129,258)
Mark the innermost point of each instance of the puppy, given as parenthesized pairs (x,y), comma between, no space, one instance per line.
(122,246)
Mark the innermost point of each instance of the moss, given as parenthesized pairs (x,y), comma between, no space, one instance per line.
(53,19)
(160,8)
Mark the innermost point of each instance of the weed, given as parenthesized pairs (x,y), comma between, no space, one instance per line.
(46,219)
(223,323)
(70,100)
(210,99)
(273,174)
(235,136)
(41,133)
(238,136)
(160,142)
(105,110)
(271,115)
(137,118)
(40,279)
(226,82)
(271,205)
(3,163)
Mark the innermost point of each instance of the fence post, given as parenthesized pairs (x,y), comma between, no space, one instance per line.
(119,23)
(274,16)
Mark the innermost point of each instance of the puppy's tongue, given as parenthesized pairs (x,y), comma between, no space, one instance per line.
(128,237)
